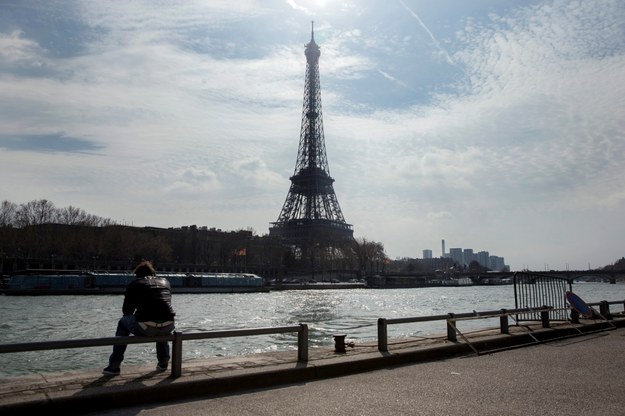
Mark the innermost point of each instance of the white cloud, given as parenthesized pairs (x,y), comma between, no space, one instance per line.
(191,102)
(16,50)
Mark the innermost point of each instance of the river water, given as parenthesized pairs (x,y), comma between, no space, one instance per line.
(353,312)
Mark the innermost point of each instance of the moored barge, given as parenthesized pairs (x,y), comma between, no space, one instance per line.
(76,282)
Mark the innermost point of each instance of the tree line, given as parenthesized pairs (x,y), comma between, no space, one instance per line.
(43,211)
(37,234)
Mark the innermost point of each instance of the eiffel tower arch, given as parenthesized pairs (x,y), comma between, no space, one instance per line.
(311,216)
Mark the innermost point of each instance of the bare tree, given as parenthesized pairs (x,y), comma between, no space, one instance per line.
(7,214)
(36,212)
(369,253)
(77,216)
(72,216)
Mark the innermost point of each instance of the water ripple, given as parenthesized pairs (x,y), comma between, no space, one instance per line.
(353,312)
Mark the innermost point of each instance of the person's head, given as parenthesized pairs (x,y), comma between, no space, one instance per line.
(144,269)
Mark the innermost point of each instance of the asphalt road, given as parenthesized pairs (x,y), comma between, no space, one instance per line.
(581,376)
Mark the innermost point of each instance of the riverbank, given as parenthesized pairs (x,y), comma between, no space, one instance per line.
(326,312)
(85,391)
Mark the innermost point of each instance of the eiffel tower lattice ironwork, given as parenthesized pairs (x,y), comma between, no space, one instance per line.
(311,211)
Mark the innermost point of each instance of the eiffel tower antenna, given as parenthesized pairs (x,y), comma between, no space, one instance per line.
(311,213)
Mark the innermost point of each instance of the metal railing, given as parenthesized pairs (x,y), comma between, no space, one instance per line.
(176,338)
(533,290)
(542,314)
(451,320)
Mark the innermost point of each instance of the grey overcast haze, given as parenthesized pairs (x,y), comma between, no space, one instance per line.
(496,125)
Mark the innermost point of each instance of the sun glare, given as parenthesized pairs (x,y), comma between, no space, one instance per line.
(309,5)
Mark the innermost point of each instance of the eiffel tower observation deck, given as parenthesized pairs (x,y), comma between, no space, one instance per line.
(311,213)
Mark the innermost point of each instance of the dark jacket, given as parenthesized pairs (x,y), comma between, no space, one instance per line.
(149,299)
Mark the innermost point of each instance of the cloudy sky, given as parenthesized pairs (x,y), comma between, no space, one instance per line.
(495,125)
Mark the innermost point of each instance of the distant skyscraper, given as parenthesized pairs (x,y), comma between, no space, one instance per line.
(496,263)
(464,257)
(456,255)
(483,257)
(427,254)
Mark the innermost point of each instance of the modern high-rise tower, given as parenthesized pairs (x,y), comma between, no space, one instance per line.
(311,213)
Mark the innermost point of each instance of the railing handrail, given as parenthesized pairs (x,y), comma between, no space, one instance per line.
(176,338)
(107,341)
(239,332)
(302,333)
(458,316)
(451,319)
(80,343)
(503,314)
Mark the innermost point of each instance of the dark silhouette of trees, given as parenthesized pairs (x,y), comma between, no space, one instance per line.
(370,255)
(617,266)
(76,216)
(7,213)
(37,234)
(36,212)
(476,267)
(42,211)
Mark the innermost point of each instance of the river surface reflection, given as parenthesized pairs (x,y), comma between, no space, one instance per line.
(353,312)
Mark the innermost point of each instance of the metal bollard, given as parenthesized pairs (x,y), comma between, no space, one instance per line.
(339,342)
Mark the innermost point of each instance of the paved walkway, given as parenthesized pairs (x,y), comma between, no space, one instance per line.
(580,376)
(574,373)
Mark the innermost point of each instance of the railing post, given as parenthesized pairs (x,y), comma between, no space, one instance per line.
(176,355)
(503,322)
(302,343)
(544,318)
(451,328)
(382,335)
(604,309)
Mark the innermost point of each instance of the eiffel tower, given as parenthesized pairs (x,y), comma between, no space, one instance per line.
(311,213)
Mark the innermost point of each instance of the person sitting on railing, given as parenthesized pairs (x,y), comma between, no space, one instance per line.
(147,311)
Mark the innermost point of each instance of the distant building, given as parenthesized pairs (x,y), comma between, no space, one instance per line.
(434,264)
(483,257)
(496,263)
(464,257)
(427,254)
(456,255)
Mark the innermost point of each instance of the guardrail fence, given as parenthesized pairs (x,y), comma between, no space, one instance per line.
(544,314)
(176,338)
(534,291)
